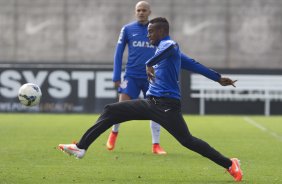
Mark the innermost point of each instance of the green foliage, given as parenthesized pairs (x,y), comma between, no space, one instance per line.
(28,151)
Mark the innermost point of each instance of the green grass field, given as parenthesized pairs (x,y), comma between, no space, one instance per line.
(28,151)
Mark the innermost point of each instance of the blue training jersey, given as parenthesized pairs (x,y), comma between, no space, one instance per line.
(166,63)
(134,35)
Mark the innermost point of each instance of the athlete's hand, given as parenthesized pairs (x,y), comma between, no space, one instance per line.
(117,84)
(150,73)
(224,81)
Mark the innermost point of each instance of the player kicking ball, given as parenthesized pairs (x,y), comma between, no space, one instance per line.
(162,105)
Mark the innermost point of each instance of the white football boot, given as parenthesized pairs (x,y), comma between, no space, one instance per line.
(72,149)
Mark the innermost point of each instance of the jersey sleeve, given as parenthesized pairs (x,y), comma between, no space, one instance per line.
(190,64)
(121,44)
(162,52)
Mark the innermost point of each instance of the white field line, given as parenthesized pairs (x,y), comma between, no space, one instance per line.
(262,128)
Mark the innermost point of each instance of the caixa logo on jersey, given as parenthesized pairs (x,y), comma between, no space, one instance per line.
(142,44)
(63,90)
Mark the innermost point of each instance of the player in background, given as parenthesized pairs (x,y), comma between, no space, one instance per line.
(163,103)
(134,35)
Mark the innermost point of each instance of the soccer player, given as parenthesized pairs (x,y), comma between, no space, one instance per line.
(162,104)
(134,35)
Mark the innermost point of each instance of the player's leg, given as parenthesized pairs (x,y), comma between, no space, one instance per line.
(180,131)
(114,133)
(182,134)
(155,127)
(128,90)
(116,112)
(155,130)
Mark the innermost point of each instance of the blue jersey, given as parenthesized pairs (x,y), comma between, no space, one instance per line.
(134,35)
(167,62)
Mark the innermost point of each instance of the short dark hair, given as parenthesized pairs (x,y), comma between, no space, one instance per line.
(161,22)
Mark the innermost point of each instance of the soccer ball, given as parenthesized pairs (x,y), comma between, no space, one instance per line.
(29,94)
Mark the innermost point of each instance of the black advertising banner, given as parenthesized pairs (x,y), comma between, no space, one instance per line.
(65,88)
(87,88)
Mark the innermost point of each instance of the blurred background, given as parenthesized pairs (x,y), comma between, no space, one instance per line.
(222,34)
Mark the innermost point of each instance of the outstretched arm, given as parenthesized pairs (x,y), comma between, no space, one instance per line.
(190,64)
